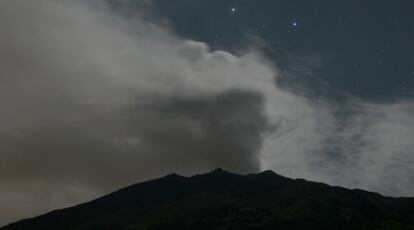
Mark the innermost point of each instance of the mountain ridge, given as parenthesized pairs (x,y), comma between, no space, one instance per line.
(224,200)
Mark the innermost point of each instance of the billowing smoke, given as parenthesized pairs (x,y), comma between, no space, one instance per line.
(92,101)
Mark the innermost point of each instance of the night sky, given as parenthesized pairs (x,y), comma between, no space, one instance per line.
(97,95)
(364,47)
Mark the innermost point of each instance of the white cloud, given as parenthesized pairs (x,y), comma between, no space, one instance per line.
(359,145)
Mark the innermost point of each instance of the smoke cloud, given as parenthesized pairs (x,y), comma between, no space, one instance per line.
(92,101)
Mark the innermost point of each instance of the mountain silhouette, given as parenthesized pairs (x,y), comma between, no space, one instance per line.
(223,200)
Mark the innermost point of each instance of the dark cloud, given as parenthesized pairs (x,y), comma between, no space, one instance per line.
(225,130)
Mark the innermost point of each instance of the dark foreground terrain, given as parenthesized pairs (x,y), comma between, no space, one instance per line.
(222,200)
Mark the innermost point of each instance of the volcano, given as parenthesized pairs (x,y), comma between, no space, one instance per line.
(224,200)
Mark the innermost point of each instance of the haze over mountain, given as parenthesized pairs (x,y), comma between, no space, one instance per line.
(223,200)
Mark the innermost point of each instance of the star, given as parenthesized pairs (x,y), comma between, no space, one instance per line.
(233,10)
(295,24)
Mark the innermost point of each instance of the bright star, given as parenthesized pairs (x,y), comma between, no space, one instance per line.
(294,23)
(233,9)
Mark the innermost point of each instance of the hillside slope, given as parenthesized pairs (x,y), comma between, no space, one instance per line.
(222,200)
